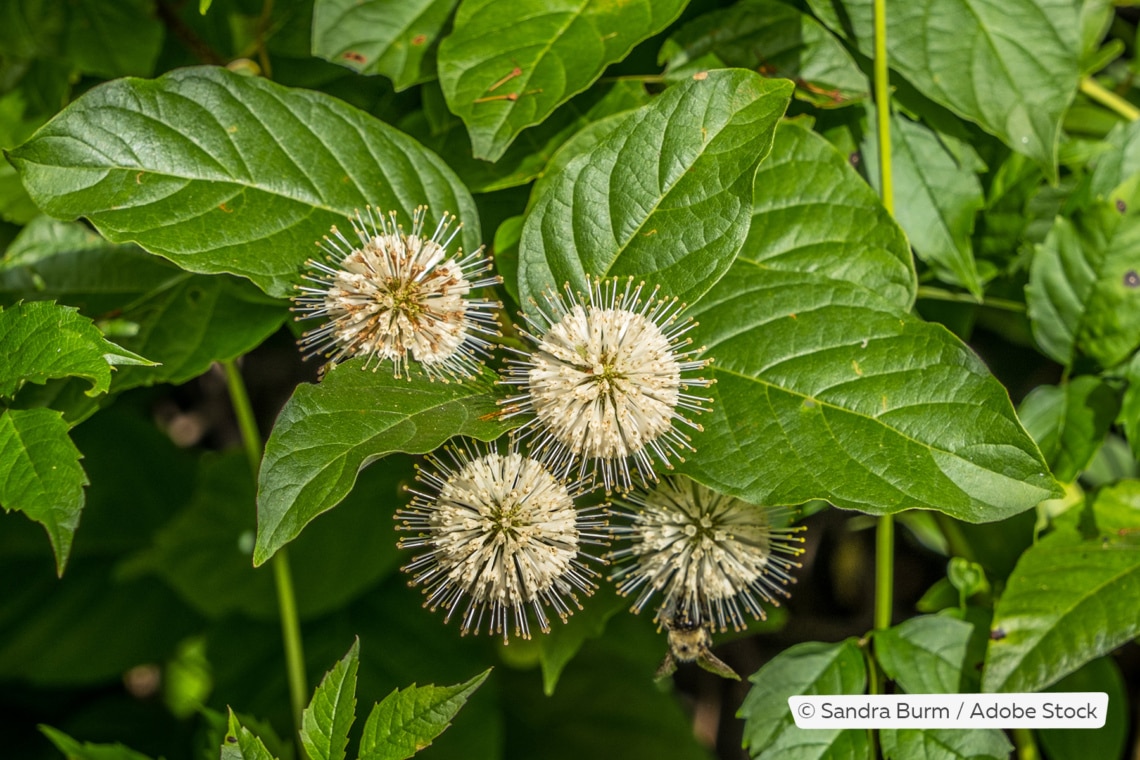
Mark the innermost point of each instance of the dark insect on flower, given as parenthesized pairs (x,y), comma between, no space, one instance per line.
(689,641)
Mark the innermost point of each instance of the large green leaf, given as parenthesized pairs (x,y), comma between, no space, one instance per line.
(507,67)
(942,196)
(665,197)
(185,322)
(1084,287)
(926,654)
(327,719)
(813,213)
(396,38)
(774,38)
(224,173)
(327,433)
(1069,422)
(803,670)
(74,750)
(40,474)
(1101,674)
(944,744)
(975,56)
(823,390)
(407,721)
(1068,601)
(42,341)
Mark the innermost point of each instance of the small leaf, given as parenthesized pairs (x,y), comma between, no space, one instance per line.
(974,56)
(41,475)
(944,744)
(73,750)
(803,670)
(1069,422)
(327,433)
(1084,287)
(43,341)
(1116,508)
(665,196)
(507,67)
(885,414)
(220,172)
(407,721)
(329,716)
(1067,602)
(776,40)
(396,38)
(812,212)
(241,744)
(925,655)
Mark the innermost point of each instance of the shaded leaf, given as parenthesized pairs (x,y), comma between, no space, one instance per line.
(1083,295)
(224,173)
(813,213)
(40,474)
(776,40)
(74,750)
(327,433)
(944,744)
(803,670)
(1069,422)
(665,196)
(507,67)
(327,719)
(975,56)
(556,649)
(926,654)
(407,721)
(1068,601)
(1116,508)
(395,38)
(823,390)
(96,35)
(44,341)
(1101,674)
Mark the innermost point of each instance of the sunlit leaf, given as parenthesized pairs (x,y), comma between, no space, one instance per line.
(926,654)
(944,744)
(327,719)
(407,721)
(1069,421)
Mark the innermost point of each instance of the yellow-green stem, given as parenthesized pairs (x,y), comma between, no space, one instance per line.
(1109,99)
(282,576)
(938,294)
(1026,744)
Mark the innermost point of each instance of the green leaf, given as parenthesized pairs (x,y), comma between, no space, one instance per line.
(41,475)
(43,341)
(407,721)
(1084,287)
(943,196)
(224,173)
(665,196)
(395,38)
(975,56)
(505,68)
(327,433)
(803,670)
(556,649)
(1067,602)
(185,322)
(1118,165)
(1116,508)
(775,39)
(241,744)
(1101,674)
(813,213)
(1130,406)
(926,654)
(327,719)
(1069,422)
(944,744)
(884,414)
(73,750)
(118,39)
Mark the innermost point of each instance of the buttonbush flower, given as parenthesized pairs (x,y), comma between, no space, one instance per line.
(607,382)
(712,557)
(388,294)
(501,536)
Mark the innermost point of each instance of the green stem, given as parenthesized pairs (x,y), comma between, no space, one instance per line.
(282,576)
(1109,99)
(1026,744)
(938,294)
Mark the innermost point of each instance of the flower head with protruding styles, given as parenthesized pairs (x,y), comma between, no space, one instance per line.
(501,535)
(712,557)
(607,382)
(388,295)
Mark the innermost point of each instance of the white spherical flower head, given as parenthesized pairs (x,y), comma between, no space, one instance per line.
(501,535)
(712,557)
(389,295)
(607,382)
